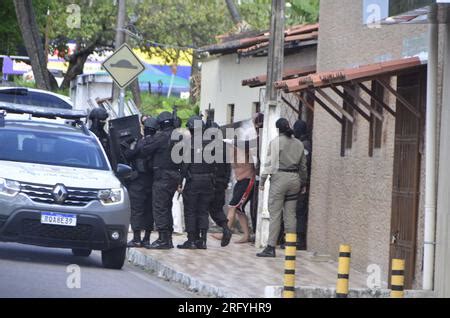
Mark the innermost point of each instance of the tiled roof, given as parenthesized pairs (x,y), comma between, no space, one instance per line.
(358,73)
(288,74)
(295,36)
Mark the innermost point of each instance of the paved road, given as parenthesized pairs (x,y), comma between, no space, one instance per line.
(35,272)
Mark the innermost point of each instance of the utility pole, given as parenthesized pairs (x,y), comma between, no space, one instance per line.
(275,65)
(119,94)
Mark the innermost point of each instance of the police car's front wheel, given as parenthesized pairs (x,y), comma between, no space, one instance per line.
(114,258)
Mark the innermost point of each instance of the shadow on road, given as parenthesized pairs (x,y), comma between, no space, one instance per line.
(33,254)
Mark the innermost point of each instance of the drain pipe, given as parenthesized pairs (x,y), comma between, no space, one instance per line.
(430,168)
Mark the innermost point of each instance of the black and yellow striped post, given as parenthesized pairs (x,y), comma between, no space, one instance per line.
(289,265)
(343,271)
(398,278)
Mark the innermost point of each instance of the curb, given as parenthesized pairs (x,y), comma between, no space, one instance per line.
(319,292)
(150,263)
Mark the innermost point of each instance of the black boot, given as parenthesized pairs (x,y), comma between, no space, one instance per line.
(301,242)
(190,243)
(226,236)
(162,243)
(269,251)
(201,242)
(282,243)
(136,241)
(146,240)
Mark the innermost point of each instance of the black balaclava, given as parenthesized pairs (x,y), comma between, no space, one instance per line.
(301,130)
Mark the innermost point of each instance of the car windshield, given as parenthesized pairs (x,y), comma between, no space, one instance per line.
(51,149)
(25,97)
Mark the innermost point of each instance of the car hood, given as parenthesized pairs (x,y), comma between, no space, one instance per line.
(52,175)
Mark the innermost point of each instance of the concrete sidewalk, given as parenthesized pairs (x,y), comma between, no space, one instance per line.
(235,271)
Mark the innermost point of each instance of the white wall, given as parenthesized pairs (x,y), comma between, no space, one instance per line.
(222,82)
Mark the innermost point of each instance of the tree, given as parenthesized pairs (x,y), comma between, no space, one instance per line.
(10,37)
(179,25)
(91,24)
(11,40)
(174,28)
(32,39)
(239,24)
(257,13)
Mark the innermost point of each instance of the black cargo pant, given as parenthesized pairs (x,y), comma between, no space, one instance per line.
(302,213)
(254,206)
(140,192)
(197,196)
(165,184)
(217,204)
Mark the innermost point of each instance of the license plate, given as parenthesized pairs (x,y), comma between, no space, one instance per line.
(59,219)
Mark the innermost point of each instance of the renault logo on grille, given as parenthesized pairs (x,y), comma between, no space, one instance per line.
(60,193)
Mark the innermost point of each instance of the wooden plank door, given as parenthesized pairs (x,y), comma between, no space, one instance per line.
(406,182)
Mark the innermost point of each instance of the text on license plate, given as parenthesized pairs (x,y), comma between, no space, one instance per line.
(59,219)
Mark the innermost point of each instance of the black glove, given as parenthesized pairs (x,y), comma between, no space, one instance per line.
(126,143)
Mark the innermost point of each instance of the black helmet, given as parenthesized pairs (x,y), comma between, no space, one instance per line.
(300,129)
(165,118)
(151,123)
(191,122)
(98,113)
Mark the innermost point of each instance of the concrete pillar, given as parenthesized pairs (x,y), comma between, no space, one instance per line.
(442,272)
(275,66)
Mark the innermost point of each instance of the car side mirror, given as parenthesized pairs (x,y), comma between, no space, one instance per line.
(123,171)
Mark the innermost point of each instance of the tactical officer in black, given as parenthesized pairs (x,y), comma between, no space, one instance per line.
(166,176)
(140,187)
(222,173)
(301,133)
(98,117)
(199,188)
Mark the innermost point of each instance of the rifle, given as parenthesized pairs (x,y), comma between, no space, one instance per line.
(209,121)
(175,115)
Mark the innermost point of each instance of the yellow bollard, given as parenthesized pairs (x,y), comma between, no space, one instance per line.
(397,278)
(289,265)
(343,271)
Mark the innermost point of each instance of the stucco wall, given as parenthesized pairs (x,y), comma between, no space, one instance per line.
(222,82)
(351,196)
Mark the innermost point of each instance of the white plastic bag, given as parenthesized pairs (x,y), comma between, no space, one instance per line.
(178,213)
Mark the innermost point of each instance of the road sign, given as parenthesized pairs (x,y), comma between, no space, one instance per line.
(123,66)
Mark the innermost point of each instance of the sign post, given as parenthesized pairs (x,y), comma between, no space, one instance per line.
(124,67)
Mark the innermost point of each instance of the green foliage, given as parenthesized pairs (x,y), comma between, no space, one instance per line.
(19,82)
(153,105)
(195,23)
(10,35)
(92,21)
(258,12)
(303,11)
(180,23)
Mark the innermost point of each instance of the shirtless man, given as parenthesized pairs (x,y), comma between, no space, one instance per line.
(244,173)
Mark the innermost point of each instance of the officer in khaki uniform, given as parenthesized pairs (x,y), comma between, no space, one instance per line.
(286,166)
